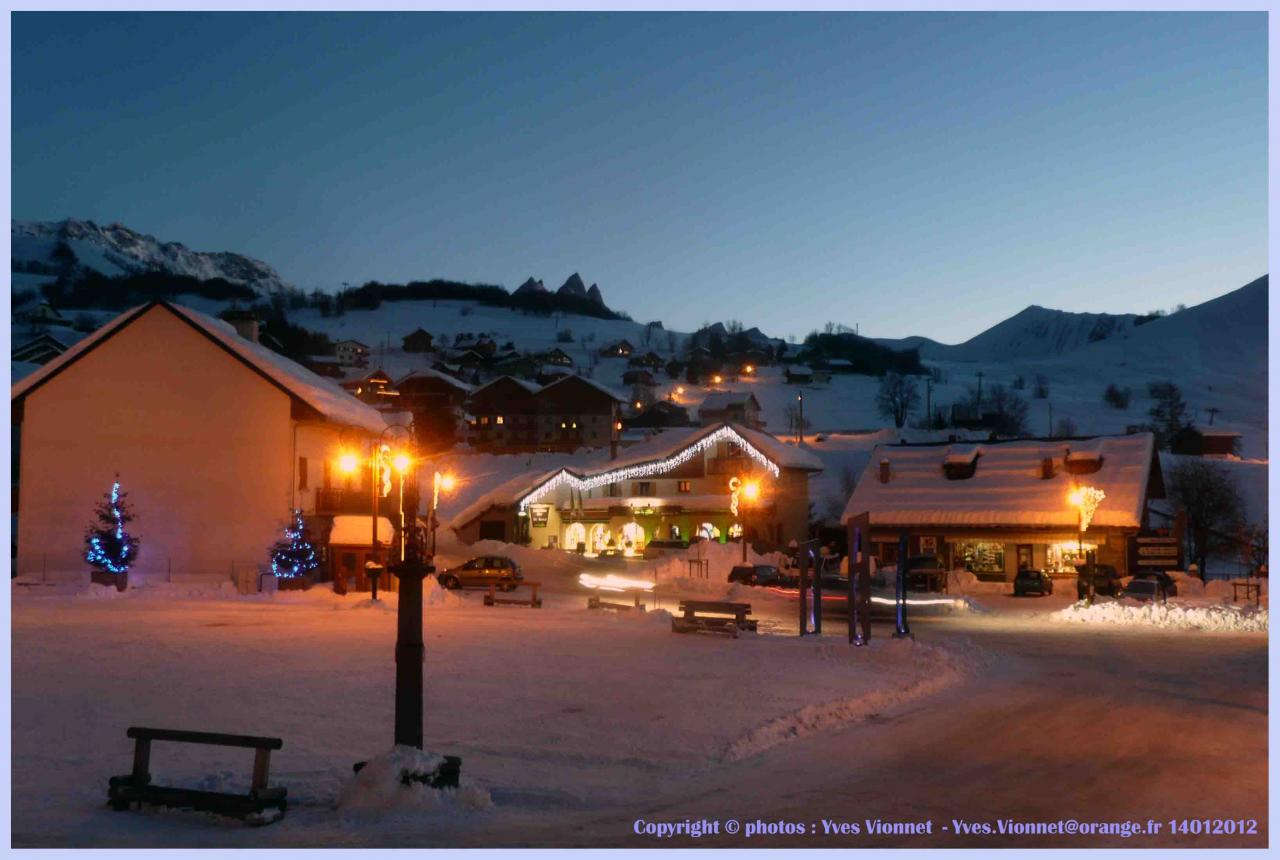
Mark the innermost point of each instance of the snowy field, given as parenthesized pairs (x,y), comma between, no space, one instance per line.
(560,710)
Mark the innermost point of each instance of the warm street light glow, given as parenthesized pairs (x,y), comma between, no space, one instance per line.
(446,482)
(348,463)
(751,490)
(402,462)
(717,379)
(749,368)
(1086,501)
(679,389)
(637,404)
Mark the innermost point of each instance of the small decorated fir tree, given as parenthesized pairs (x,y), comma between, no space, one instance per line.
(108,545)
(294,556)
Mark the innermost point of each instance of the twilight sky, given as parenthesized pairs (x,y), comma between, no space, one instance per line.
(913,174)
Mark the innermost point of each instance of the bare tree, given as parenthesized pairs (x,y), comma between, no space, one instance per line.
(1208,495)
(897,397)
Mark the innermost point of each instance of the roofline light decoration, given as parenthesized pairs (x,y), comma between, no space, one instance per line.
(644,470)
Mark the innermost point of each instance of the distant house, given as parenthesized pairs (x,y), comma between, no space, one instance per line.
(557,356)
(39,350)
(661,413)
(637,377)
(323,365)
(436,400)
(736,407)
(617,349)
(549,373)
(651,360)
(351,353)
(417,341)
(1217,444)
(511,414)
(799,374)
(839,365)
(374,389)
(216,440)
(44,313)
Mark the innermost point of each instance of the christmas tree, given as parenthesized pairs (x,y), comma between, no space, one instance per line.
(294,556)
(108,546)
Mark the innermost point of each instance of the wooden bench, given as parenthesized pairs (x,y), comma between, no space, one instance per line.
(137,787)
(1252,591)
(711,616)
(492,598)
(594,602)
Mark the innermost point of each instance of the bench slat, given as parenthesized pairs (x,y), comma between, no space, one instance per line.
(212,738)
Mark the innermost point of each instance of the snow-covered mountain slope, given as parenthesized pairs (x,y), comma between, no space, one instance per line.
(56,246)
(1033,332)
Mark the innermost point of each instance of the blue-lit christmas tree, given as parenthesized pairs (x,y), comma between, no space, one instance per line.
(108,545)
(294,556)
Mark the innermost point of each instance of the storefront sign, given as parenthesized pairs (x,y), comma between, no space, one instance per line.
(538,514)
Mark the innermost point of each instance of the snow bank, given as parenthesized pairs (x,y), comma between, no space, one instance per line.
(380,788)
(1173,615)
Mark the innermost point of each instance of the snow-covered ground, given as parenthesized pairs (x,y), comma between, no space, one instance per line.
(555,709)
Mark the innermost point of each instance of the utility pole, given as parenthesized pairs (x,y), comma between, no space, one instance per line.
(928,402)
(1212,410)
(1050,417)
(800,418)
(979,391)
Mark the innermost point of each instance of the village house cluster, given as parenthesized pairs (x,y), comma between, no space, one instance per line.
(266,437)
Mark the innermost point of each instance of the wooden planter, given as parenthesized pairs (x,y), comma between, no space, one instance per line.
(101,577)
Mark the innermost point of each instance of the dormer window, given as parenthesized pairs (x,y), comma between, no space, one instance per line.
(1084,460)
(960,462)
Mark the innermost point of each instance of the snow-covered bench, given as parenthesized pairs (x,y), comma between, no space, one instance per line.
(712,616)
(492,598)
(137,788)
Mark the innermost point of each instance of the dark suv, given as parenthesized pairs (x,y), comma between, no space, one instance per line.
(483,571)
(756,574)
(1032,581)
(1106,580)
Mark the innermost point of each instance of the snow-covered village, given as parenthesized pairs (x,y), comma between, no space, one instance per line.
(654,431)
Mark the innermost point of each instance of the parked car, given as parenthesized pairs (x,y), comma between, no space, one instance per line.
(1106,581)
(926,573)
(1144,589)
(483,571)
(757,574)
(1168,585)
(1030,581)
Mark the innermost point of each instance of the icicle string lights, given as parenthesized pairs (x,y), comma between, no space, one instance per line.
(641,470)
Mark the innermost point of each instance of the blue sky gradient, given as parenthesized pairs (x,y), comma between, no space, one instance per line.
(913,174)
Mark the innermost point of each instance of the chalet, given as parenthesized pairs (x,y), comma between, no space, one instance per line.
(638,377)
(1216,444)
(799,374)
(43,314)
(617,349)
(351,353)
(557,356)
(216,440)
(678,485)
(994,507)
(549,373)
(737,407)
(374,389)
(650,360)
(510,414)
(417,341)
(323,365)
(40,350)
(662,413)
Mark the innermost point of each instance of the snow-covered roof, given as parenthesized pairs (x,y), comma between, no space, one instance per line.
(604,389)
(357,530)
(322,395)
(531,387)
(1006,488)
(432,373)
(799,368)
(719,400)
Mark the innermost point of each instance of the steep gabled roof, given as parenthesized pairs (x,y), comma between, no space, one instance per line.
(603,389)
(322,396)
(432,373)
(1005,487)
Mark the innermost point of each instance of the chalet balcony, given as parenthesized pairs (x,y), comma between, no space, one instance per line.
(332,501)
(729,466)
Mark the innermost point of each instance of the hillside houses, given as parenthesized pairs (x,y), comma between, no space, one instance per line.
(737,407)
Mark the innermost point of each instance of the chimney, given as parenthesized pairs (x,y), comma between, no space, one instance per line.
(1046,468)
(245,323)
(884,471)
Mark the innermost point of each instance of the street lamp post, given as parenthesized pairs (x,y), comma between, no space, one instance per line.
(750,492)
(1085,500)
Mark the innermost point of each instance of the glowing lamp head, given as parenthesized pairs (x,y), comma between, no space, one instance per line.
(402,462)
(679,389)
(447,482)
(348,463)
(750,368)
(751,490)
(717,379)
(637,404)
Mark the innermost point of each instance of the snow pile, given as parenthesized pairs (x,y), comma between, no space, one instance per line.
(961,581)
(381,787)
(1173,616)
(434,594)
